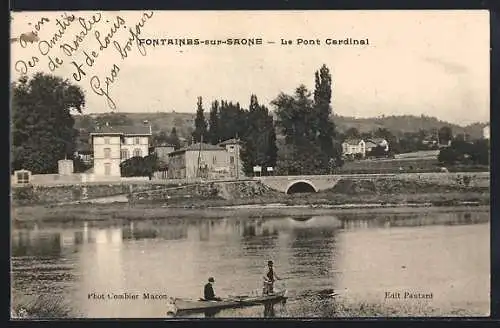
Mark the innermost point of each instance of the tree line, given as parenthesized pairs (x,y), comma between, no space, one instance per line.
(304,120)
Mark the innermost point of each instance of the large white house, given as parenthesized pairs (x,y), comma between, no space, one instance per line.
(113,145)
(351,147)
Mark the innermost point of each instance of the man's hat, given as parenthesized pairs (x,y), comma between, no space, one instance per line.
(211,279)
(269,262)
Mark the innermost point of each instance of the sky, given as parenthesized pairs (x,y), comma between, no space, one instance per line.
(434,63)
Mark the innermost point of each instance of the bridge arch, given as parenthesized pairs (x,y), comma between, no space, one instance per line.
(299,186)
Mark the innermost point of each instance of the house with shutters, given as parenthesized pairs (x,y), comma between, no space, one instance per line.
(113,145)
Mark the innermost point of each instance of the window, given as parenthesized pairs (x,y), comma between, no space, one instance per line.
(124,154)
(231,160)
(107,169)
(107,152)
(214,159)
(137,152)
(23,177)
(106,140)
(137,141)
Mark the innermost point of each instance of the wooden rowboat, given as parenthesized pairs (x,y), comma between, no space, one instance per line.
(182,305)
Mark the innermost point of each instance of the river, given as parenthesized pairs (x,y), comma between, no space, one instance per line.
(343,265)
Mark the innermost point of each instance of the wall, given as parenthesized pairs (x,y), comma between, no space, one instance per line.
(37,194)
(177,166)
(214,159)
(163,151)
(75,178)
(212,190)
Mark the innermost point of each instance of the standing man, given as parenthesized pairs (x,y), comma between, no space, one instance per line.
(269,279)
(209,294)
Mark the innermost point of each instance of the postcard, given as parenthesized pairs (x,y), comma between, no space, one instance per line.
(262,164)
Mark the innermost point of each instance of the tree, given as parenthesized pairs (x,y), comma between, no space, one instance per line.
(42,122)
(200,124)
(445,135)
(259,141)
(213,132)
(352,133)
(377,151)
(391,139)
(448,156)
(232,121)
(297,120)
(138,166)
(294,115)
(174,139)
(322,100)
(161,138)
(114,119)
(480,152)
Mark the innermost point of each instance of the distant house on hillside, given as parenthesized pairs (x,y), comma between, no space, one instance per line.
(202,160)
(486,132)
(354,147)
(359,148)
(374,142)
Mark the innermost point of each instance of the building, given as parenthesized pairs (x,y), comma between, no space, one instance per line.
(162,151)
(360,148)
(113,145)
(353,147)
(486,132)
(376,142)
(202,160)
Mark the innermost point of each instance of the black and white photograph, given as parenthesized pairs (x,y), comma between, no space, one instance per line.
(250,164)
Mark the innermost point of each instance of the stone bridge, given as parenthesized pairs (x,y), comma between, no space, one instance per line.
(290,184)
(314,183)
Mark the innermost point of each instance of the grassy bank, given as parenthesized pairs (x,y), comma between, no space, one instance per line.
(378,310)
(30,307)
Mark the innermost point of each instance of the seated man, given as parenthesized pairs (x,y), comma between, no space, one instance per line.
(209,294)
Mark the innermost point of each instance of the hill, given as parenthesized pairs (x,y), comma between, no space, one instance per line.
(184,123)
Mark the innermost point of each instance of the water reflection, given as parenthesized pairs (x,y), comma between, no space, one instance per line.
(26,243)
(370,220)
(318,256)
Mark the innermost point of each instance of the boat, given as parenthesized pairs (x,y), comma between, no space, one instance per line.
(182,305)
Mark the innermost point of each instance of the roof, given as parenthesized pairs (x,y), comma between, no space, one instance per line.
(354,141)
(158,145)
(231,141)
(196,147)
(377,140)
(127,130)
(370,144)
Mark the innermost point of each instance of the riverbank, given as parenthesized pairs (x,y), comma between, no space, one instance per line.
(119,212)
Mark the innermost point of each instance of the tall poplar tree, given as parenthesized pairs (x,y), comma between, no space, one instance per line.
(213,130)
(323,110)
(200,124)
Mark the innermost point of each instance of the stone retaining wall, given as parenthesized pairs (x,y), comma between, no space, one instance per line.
(28,195)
